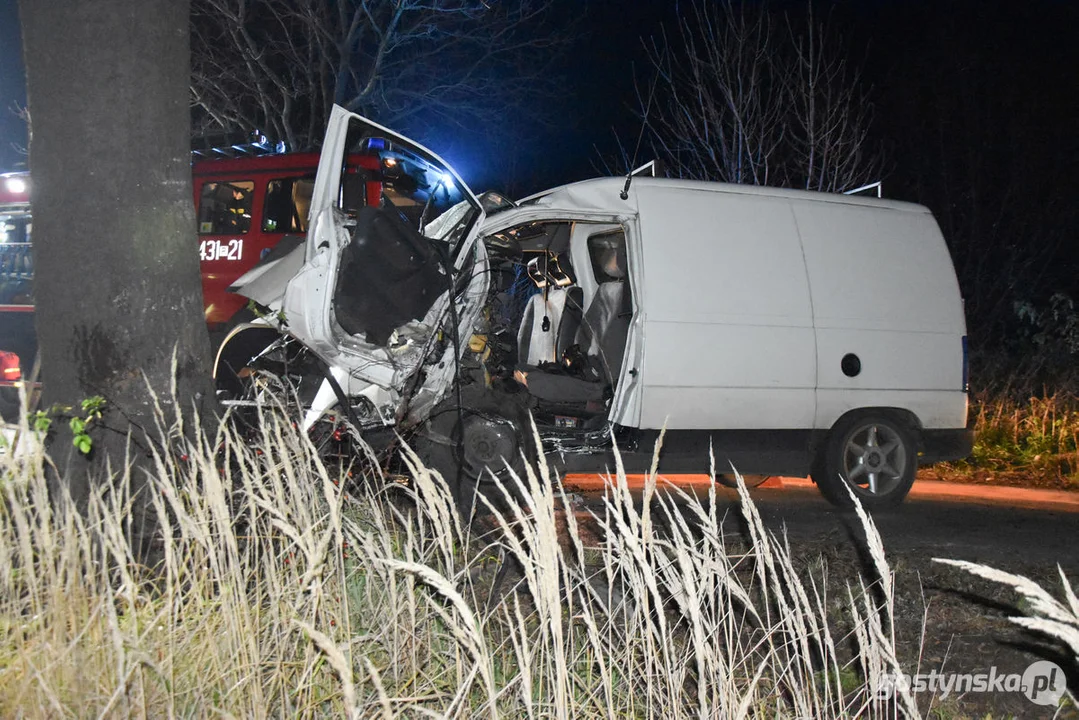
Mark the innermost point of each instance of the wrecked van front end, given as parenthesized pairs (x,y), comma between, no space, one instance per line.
(398,317)
(365,301)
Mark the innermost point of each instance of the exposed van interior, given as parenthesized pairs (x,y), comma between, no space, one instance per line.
(389,274)
(561,307)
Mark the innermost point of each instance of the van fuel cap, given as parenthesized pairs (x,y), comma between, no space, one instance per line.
(850,365)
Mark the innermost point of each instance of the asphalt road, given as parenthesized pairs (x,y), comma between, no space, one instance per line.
(1011,537)
(945,618)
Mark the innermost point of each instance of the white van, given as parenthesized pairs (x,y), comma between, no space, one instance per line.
(790,332)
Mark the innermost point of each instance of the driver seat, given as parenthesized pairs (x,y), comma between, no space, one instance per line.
(551,317)
(561,309)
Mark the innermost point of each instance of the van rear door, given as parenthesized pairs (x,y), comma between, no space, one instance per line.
(889,314)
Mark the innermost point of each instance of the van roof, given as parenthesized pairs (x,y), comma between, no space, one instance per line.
(596,193)
(273,163)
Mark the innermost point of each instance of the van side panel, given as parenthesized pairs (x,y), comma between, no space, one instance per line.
(728,329)
(884,289)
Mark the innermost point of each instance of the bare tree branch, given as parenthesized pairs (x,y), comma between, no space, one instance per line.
(278,65)
(745,101)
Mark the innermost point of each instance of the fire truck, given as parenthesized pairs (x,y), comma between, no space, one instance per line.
(249,199)
(18,343)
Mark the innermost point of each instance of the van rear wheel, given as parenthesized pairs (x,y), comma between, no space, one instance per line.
(873,455)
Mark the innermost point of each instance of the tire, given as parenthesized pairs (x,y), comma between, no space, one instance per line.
(218,335)
(872,454)
(10,408)
(466,460)
(274,381)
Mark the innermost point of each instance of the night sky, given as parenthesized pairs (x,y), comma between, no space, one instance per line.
(12,87)
(1020,59)
(598,91)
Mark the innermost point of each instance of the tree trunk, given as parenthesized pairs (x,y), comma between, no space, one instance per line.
(117,274)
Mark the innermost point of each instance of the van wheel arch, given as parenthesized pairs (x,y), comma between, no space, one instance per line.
(242,343)
(901,415)
(879,447)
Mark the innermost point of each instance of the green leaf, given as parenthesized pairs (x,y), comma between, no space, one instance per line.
(83,443)
(78,426)
(93,405)
(41,421)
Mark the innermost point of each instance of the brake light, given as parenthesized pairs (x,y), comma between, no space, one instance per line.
(10,369)
(966,365)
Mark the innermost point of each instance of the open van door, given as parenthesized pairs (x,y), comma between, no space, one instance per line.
(370,271)
(369,292)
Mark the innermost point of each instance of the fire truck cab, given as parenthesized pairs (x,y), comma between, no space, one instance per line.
(245,206)
(18,343)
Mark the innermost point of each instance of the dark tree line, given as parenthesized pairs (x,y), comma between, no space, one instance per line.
(977,108)
(744,93)
(966,107)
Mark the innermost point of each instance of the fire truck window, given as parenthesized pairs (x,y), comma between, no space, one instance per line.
(410,195)
(225,207)
(16,262)
(288,202)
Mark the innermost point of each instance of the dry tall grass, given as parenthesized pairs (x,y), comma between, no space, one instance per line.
(279,595)
(1044,613)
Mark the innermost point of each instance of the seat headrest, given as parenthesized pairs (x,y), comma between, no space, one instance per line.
(612,264)
(549,272)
